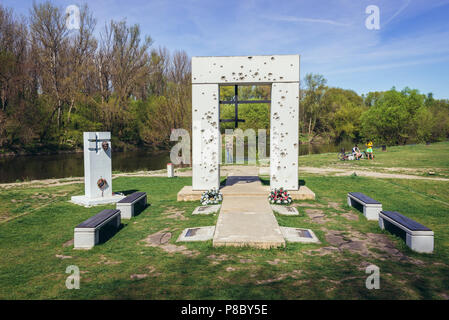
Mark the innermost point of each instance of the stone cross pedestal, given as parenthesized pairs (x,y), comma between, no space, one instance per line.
(97,171)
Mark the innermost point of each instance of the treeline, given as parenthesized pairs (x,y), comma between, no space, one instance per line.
(332,115)
(56,83)
(390,117)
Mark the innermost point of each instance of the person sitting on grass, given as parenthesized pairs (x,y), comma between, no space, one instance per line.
(356,152)
(369,150)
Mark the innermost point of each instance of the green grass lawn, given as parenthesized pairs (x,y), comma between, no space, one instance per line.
(37,224)
(418,159)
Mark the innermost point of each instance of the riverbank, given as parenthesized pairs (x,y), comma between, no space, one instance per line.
(45,150)
(427,162)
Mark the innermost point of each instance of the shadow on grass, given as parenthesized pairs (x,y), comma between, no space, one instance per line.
(223,183)
(128,192)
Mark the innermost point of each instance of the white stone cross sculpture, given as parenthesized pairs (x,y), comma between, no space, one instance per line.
(279,71)
(97,170)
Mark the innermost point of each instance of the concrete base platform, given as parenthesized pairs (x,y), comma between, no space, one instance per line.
(304,193)
(187,194)
(89,202)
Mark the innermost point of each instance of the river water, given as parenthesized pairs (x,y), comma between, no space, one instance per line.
(31,167)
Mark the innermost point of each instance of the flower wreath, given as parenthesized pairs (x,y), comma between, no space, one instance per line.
(279,196)
(212,196)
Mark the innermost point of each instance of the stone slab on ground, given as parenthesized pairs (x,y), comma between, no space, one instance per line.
(89,202)
(246,220)
(197,234)
(207,209)
(285,210)
(299,235)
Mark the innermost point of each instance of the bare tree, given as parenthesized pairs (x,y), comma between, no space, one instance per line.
(81,52)
(49,35)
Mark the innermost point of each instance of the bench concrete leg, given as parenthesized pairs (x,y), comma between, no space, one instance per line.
(371,213)
(349,201)
(381,223)
(85,238)
(126,210)
(423,244)
(118,221)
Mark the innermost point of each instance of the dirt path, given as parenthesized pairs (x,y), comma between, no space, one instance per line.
(233,170)
(366,173)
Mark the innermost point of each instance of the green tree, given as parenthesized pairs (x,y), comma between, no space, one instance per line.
(311,102)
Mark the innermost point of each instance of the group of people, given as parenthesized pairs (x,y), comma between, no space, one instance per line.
(369,151)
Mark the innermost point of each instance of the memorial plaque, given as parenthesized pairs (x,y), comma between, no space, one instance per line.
(191,232)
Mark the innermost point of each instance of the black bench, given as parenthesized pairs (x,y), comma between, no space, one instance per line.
(87,233)
(417,236)
(132,204)
(371,207)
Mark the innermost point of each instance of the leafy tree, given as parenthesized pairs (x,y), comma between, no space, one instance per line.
(311,102)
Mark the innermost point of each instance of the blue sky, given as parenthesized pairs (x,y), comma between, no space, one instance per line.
(410,49)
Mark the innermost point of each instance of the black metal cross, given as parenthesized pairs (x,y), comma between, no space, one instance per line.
(97,141)
(236,102)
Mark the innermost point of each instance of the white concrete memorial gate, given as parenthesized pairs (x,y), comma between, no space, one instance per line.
(97,170)
(279,71)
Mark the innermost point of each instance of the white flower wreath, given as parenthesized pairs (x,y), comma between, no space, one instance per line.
(212,196)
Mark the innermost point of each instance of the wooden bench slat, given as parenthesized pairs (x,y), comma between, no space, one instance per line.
(364,198)
(97,219)
(405,221)
(132,197)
